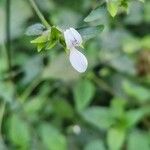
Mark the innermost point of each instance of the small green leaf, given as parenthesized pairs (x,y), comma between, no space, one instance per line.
(99,117)
(90,32)
(115,138)
(45,37)
(52,138)
(19,133)
(138,140)
(40,46)
(136,91)
(96,14)
(134,116)
(113,6)
(95,145)
(35,29)
(118,107)
(62,108)
(33,106)
(83,97)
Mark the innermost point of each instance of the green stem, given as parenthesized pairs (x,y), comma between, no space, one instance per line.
(2,110)
(40,15)
(29,89)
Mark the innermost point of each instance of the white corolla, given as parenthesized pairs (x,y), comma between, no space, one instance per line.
(73,39)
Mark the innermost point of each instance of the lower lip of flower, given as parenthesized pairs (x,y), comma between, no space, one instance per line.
(78,60)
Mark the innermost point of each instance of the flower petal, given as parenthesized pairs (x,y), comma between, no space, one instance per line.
(78,60)
(68,38)
(77,36)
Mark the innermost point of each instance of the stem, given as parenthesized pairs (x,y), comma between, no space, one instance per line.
(40,15)
(2,110)
(101,83)
(8,40)
(29,89)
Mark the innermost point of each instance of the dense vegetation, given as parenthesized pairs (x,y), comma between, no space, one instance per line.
(47,105)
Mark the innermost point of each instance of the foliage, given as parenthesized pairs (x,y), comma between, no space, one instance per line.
(47,105)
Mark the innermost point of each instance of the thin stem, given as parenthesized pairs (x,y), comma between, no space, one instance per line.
(29,89)
(2,110)
(40,15)
(8,40)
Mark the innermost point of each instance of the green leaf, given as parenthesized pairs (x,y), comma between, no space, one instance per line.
(40,46)
(113,6)
(140,93)
(35,29)
(96,14)
(90,32)
(52,138)
(33,106)
(98,116)
(19,133)
(115,138)
(118,107)
(62,108)
(134,116)
(45,37)
(138,140)
(83,97)
(95,145)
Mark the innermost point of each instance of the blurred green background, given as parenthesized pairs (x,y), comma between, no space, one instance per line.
(49,106)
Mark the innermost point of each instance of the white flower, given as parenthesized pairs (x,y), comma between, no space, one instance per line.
(78,60)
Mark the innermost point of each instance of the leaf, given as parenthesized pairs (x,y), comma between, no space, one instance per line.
(90,32)
(45,37)
(35,29)
(98,116)
(95,145)
(123,64)
(113,6)
(40,46)
(62,108)
(134,116)
(19,133)
(33,106)
(52,138)
(83,93)
(96,14)
(118,107)
(138,140)
(115,138)
(136,91)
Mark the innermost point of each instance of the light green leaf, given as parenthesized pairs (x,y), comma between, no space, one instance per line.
(96,14)
(52,138)
(115,138)
(90,32)
(98,116)
(134,116)
(138,140)
(113,6)
(118,107)
(19,133)
(136,91)
(33,106)
(83,94)
(95,145)
(45,37)
(35,29)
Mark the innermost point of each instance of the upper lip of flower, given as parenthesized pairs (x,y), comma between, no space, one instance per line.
(72,38)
